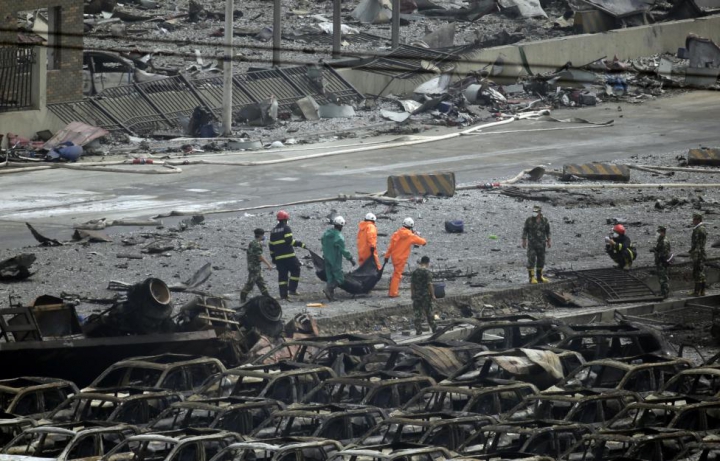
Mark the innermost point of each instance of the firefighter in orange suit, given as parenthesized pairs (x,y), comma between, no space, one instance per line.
(401,243)
(367,240)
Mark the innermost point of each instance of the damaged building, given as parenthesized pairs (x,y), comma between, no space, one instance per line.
(41,60)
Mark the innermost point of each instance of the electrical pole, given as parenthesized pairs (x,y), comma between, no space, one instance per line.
(228,70)
(337,29)
(277,32)
(395,23)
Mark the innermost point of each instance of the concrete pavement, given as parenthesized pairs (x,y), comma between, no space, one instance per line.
(57,199)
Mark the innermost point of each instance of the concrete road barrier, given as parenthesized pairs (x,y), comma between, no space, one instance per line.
(438,184)
(704,156)
(598,171)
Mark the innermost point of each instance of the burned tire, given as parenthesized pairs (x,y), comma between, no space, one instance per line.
(263,313)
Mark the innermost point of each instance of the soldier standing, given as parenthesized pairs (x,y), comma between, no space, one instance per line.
(697,253)
(662,260)
(422,293)
(254,258)
(536,237)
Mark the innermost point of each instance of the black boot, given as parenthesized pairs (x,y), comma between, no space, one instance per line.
(702,289)
(696,290)
(243,297)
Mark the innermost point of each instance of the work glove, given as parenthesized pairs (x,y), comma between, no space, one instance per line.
(372,250)
(352,262)
(386,260)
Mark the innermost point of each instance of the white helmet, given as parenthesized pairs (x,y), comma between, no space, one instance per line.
(338,221)
(409,223)
(370,217)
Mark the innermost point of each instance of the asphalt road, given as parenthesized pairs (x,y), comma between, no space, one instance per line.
(54,200)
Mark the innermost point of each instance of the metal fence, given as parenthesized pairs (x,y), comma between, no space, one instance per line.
(16,78)
(142,108)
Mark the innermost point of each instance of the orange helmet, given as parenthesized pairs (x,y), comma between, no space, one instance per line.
(283,215)
(619,228)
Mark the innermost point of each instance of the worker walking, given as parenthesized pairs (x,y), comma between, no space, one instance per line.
(536,238)
(422,293)
(619,247)
(282,250)
(254,258)
(662,260)
(367,240)
(401,243)
(333,248)
(697,253)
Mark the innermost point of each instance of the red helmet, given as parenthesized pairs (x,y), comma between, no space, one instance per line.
(619,228)
(283,215)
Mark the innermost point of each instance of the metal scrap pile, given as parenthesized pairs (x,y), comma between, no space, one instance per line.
(501,388)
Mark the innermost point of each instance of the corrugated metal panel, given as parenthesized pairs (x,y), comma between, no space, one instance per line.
(149,106)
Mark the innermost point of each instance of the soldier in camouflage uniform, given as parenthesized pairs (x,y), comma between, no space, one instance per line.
(697,253)
(536,237)
(254,258)
(422,294)
(662,260)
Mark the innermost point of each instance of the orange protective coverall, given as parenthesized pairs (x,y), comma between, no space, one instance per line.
(366,241)
(401,243)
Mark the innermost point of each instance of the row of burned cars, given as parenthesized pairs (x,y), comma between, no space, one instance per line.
(478,389)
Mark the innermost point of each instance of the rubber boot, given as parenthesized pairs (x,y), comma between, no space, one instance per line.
(540,277)
(329,293)
(696,290)
(531,274)
(702,289)
(243,297)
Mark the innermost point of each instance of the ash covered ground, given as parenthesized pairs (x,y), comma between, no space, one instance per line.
(489,248)
(173,45)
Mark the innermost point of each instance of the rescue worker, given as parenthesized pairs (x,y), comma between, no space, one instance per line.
(422,293)
(401,243)
(536,238)
(662,260)
(367,240)
(619,248)
(697,253)
(254,258)
(282,252)
(333,248)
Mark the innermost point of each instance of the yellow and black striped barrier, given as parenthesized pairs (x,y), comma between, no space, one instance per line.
(704,156)
(438,184)
(598,171)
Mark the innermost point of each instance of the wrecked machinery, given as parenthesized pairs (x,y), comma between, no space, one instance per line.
(136,324)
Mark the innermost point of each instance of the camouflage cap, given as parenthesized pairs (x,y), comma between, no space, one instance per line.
(697,216)
(661,228)
(537,209)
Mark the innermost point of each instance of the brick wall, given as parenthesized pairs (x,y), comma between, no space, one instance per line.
(64,84)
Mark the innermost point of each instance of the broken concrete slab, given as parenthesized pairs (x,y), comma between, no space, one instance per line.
(702,52)
(309,108)
(622,8)
(523,8)
(593,22)
(373,11)
(336,111)
(443,36)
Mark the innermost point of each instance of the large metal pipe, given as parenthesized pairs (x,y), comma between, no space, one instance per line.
(337,29)
(277,32)
(395,23)
(228,70)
